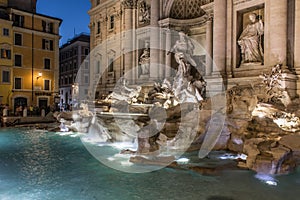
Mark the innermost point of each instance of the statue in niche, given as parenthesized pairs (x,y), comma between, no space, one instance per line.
(144,12)
(250,41)
(184,50)
(145,60)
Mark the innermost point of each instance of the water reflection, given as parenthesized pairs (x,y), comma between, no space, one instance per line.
(38,159)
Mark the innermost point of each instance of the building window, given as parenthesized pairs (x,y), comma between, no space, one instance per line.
(86,91)
(47,44)
(18,60)
(5,31)
(86,65)
(18,39)
(47,63)
(47,26)
(98,67)
(18,20)
(5,54)
(47,85)
(86,79)
(5,76)
(18,83)
(112,22)
(111,65)
(75,65)
(66,80)
(70,80)
(98,27)
(97,2)
(86,51)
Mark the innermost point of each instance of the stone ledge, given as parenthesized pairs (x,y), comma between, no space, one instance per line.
(11,121)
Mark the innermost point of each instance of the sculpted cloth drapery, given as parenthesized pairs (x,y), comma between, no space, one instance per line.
(145,60)
(183,50)
(250,41)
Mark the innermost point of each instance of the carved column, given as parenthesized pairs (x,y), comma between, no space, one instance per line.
(154,40)
(219,36)
(209,47)
(297,45)
(128,6)
(168,57)
(278,32)
(297,35)
(162,69)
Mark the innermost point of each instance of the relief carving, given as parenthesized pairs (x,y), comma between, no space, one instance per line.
(144,12)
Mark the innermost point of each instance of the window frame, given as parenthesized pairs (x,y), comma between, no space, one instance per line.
(98,27)
(5,32)
(47,44)
(2,77)
(111,22)
(45,64)
(19,43)
(21,81)
(21,60)
(48,88)
(47,27)
(110,65)
(7,53)
(20,21)
(86,51)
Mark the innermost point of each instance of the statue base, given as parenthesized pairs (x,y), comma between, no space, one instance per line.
(250,70)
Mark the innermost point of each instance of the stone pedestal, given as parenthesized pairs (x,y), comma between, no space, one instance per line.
(289,83)
(250,70)
(214,86)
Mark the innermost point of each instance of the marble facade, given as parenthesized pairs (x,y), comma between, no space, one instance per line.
(214,24)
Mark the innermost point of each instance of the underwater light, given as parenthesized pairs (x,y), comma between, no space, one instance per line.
(182,161)
(265,178)
(230,156)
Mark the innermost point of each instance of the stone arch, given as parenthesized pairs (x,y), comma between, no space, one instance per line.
(193,11)
(167,7)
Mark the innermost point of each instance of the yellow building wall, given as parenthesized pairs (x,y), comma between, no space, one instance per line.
(3,2)
(35,64)
(6,64)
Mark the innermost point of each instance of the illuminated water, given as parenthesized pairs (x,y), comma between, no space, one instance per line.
(45,165)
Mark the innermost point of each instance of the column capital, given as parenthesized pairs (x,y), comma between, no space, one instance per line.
(209,18)
(209,10)
(129,4)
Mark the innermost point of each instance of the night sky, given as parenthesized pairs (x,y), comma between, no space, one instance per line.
(73,13)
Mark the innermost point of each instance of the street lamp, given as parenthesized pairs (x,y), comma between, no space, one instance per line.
(40,74)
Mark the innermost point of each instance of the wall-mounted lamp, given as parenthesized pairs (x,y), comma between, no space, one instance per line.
(40,74)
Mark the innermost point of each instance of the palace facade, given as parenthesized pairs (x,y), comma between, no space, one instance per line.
(121,31)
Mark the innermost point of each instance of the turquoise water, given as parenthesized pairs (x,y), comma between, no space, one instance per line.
(45,165)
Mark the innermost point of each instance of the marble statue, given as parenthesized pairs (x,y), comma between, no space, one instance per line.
(183,49)
(250,41)
(145,60)
(123,93)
